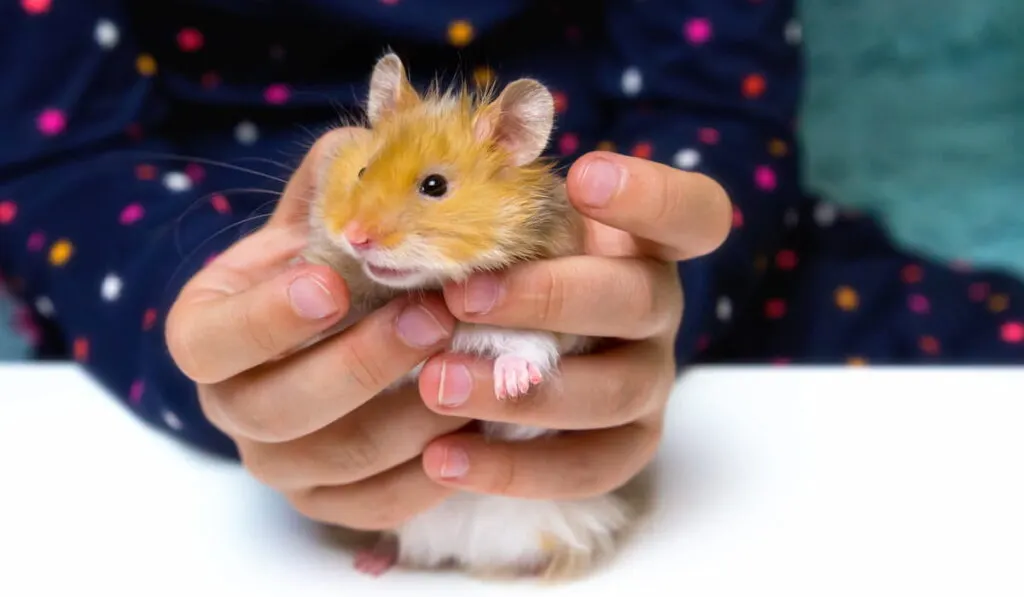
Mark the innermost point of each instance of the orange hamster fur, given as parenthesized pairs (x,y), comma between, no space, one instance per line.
(449,183)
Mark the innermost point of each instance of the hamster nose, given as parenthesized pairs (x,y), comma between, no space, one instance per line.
(358,237)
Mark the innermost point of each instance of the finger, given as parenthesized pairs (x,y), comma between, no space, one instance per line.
(564,467)
(385,432)
(212,337)
(295,396)
(607,389)
(585,295)
(379,503)
(682,214)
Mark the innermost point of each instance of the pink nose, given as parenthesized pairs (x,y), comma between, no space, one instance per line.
(357,236)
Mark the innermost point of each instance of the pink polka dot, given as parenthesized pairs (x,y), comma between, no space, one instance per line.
(568,143)
(51,122)
(697,31)
(131,214)
(209,80)
(737,217)
(785,259)
(1012,332)
(220,204)
(561,101)
(703,343)
(765,179)
(978,291)
(709,136)
(8,210)
(149,319)
(136,391)
(276,94)
(781,361)
(919,303)
(190,39)
(36,241)
(389,2)
(36,7)
(134,131)
(195,172)
(775,308)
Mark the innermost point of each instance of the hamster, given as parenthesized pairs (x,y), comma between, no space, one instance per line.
(450,183)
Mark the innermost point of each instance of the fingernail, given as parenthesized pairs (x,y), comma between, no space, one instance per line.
(482,292)
(310,299)
(419,328)
(455,463)
(599,182)
(453,390)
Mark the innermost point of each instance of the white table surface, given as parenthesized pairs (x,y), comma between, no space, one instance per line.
(770,481)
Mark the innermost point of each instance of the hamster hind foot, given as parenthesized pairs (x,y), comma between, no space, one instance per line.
(379,558)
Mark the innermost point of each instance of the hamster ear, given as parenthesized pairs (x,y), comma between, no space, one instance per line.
(390,90)
(520,120)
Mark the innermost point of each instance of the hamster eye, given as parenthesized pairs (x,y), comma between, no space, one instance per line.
(361,171)
(434,185)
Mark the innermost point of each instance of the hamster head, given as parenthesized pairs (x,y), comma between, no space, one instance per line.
(446,184)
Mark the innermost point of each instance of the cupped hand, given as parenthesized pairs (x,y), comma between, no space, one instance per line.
(315,424)
(642,217)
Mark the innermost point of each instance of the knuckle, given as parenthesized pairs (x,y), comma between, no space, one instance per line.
(502,479)
(261,463)
(179,339)
(259,335)
(365,372)
(240,407)
(551,292)
(354,456)
(314,504)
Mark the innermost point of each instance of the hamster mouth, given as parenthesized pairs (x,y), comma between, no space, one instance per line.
(388,276)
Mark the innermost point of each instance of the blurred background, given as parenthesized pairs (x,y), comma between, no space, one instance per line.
(912,111)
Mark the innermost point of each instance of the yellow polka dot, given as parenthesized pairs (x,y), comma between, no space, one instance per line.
(777,148)
(847,298)
(61,252)
(460,33)
(856,361)
(606,146)
(760,263)
(146,65)
(997,303)
(483,76)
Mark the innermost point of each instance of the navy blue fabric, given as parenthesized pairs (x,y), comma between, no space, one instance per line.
(99,228)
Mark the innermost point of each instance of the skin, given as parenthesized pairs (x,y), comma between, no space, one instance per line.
(317,427)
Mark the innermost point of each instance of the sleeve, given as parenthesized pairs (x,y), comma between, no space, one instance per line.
(712,86)
(91,233)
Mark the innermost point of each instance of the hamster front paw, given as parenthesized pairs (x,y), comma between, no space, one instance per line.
(523,358)
(514,376)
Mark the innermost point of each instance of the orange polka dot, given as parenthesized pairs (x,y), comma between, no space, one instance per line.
(754,86)
(145,172)
(847,298)
(61,252)
(561,101)
(80,349)
(778,148)
(643,150)
(911,274)
(483,76)
(856,361)
(928,345)
(606,146)
(760,263)
(997,303)
(146,65)
(148,319)
(460,32)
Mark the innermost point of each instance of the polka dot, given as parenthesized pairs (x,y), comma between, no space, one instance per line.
(697,31)
(145,172)
(708,136)
(568,143)
(149,319)
(389,2)
(51,122)
(172,420)
(190,39)
(276,94)
(246,133)
(703,342)
(1012,332)
(928,345)
(8,211)
(484,76)
(760,263)
(856,361)
(723,309)
(764,178)
(35,241)
(978,291)
(111,287)
(133,131)
(794,32)
(61,252)
(605,146)
(737,216)
(911,274)
(686,159)
(80,349)
(785,260)
(561,102)
(777,148)
(775,308)
(36,7)
(209,80)
(997,303)
(825,214)
(791,219)
(632,81)
(135,392)
(131,213)
(195,172)
(145,64)
(177,182)
(753,86)
(460,33)
(642,150)
(220,204)
(918,303)
(106,34)
(847,298)
(44,306)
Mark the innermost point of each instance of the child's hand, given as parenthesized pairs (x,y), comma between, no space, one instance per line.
(306,424)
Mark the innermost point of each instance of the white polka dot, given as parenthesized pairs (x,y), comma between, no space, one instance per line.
(825,214)
(172,420)
(724,308)
(177,182)
(106,34)
(794,32)
(111,287)
(246,133)
(632,81)
(44,306)
(792,218)
(687,159)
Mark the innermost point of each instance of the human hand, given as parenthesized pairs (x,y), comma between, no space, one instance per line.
(625,287)
(305,423)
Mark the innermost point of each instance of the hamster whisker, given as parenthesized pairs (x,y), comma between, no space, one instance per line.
(195,204)
(209,162)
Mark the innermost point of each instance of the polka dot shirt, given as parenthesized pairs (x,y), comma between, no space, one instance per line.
(141,139)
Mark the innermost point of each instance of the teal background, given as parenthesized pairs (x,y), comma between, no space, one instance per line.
(913,111)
